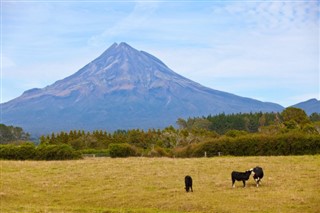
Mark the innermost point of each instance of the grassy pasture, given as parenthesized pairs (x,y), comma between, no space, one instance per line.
(291,184)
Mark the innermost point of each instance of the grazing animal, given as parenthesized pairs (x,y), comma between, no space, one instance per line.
(240,176)
(257,174)
(188,183)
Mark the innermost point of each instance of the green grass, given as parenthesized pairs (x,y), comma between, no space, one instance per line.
(291,184)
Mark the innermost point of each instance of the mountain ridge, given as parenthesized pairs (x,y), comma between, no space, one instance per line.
(120,89)
(310,106)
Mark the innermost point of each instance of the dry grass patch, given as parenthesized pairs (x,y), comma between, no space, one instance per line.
(291,184)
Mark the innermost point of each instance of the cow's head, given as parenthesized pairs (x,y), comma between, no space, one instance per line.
(252,171)
(248,172)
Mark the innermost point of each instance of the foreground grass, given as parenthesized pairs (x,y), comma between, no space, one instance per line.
(291,184)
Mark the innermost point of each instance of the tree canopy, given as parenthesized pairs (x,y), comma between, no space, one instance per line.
(9,134)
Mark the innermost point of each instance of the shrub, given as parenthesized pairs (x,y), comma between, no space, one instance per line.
(158,152)
(235,133)
(185,151)
(29,151)
(56,152)
(24,151)
(122,150)
(294,143)
(211,149)
(8,152)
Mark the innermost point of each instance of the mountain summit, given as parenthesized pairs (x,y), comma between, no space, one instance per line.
(309,106)
(123,88)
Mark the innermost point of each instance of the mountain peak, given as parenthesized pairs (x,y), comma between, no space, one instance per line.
(310,106)
(121,46)
(118,50)
(124,45)
(122,88)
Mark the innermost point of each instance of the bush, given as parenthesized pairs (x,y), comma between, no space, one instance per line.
(57,152)
(8,152)
(26,151)
(17,152)
(253,145)
(122,150)
(158,152)
(235,133)
(29,151)
(211,149)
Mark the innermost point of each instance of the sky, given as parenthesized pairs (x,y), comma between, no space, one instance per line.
(266,50)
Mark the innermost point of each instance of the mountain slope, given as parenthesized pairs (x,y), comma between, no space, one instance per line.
(122,88)
(309,106)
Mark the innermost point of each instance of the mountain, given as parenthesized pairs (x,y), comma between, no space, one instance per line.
(309,106)
(121,89)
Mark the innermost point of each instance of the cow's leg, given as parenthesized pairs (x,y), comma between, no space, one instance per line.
(233,185)
(257,181)
(244,183)
(191,188)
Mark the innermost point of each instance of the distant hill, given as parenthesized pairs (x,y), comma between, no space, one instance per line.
(309,106)
(121,89)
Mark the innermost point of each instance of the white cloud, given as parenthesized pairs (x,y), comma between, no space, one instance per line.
(275,15)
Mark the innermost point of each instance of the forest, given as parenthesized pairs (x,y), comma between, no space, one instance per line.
(290,132)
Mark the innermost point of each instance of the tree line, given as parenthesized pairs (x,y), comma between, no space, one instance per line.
(9,134)
(287,133)
(292,118)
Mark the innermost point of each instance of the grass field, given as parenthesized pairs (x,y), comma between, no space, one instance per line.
(291,184)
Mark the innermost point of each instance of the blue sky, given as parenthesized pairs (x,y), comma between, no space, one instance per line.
(267,50)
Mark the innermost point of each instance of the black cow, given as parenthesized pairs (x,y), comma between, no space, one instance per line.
(257,174)
(188,183)
(240,176)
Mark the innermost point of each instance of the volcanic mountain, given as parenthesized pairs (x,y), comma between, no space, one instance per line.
(309,106)
(121,89)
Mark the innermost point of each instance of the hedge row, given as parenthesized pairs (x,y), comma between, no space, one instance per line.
(122,150)
(255,145)
(127,150)
(244,145)
(30,152)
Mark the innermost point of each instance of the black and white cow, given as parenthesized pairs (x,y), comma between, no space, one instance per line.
(240,176)
(257,174)
(188,183)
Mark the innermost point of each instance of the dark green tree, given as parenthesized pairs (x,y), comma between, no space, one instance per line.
(314,117)
(295,114)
